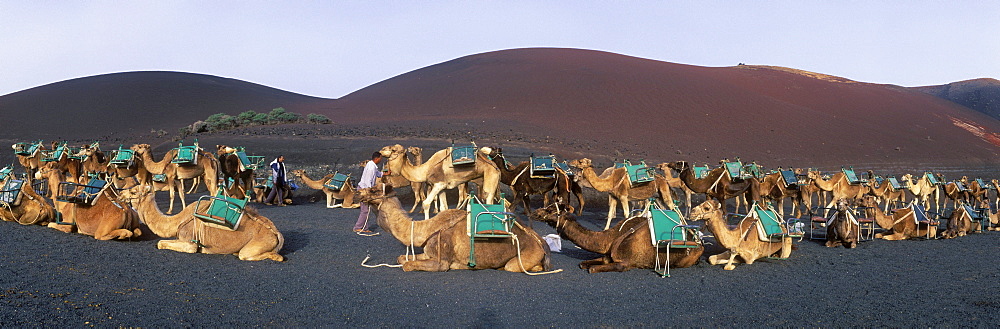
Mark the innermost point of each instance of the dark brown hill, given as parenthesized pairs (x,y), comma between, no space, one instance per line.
(644,108)
(97,106)
(982,95)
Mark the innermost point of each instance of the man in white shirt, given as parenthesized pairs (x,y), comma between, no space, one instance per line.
(367,180)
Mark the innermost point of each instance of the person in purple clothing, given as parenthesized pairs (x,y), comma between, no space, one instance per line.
(367,180)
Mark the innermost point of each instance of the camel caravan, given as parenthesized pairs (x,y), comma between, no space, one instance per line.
(112,196)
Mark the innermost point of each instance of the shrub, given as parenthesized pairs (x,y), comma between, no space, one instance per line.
(245,118)
(261,118)
(317,118)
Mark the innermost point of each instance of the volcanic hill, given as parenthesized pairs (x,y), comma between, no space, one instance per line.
(119,103)
(637,107)
(982,95)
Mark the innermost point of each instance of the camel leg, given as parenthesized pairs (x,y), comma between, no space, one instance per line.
(430,265)
(786,247)
(170,187)
(331,202)
(178,246)
(253,256)
(612,208)
(63,228)
(433,195)
(116,234)
(611,267)
(594,262)
(732,259)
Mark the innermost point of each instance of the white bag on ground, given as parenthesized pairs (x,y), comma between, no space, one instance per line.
(554,242)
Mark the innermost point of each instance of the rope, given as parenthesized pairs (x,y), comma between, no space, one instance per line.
(517,244)
(377,265)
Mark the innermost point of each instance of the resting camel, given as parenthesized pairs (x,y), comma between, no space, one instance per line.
(625,246)
(885,192)
(960,224)
(256,238)
(620,190)
(742,242)
(901,225)
(33,161)
(94,161)
(839,186)
(843,229)
(440,174)
(717,184)
(523,185)
(393,219)
(109,217)
(345,193)
(230,166)
(32,208)
(922,189)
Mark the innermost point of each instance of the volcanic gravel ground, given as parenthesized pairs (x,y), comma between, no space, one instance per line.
(54,279)
(49,278)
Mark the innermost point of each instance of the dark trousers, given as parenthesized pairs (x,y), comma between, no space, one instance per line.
(277,190)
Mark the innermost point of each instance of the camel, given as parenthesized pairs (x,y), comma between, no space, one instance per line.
(440,174)
(94,161)
(885,192)
(256,238)
(230,166)
(953,192)
(773,189)
(523,185)
(902,225)
(205,170)
(29,158)
(960,223)
(625,246)
(174,173)
(922,189)
(30,209)
(978,193)
(675,182)
(345,193)
(844,229)
(717,184)
(394,179)
(742,242)
(839,186)
(71,166)
(107,217)
(620,189)
(393,219)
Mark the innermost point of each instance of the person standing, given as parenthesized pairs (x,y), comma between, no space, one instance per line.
(278,183)
(368,177)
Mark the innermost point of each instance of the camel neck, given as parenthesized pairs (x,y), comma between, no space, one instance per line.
(391,217)
(162,225)
(313,184)
(589,240)
(727,238)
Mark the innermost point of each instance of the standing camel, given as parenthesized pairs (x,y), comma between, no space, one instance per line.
(676,183)
(441,174)
(397,180)
(839,186)
(922,189)
(230,166)
(741,242)
(345,193)
(773,189)
(29,156)
(150,168)
(620,189)
(520,181)
(717,184)
(625,246)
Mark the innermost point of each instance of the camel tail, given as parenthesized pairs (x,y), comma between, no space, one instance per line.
(281,242)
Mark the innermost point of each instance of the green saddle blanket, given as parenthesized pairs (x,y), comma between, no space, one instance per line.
(637,173)
(488,220)
(789,178)
(81,193)
(186,155)
(250,162)
(701,171)
(336,182)
(543,167)
(27,149)
(462,155)
(769,225)
(55,155)
(122,157)
(11,193)
(667,227)
(222,210)
(852,178)
(5,172)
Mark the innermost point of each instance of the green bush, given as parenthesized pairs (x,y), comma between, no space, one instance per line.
(317,118)
(246,117)
(261,119)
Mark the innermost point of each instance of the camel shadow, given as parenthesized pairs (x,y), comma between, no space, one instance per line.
(294,241)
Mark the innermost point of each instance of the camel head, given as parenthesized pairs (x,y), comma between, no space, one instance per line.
(679,165)
(390,152)
(140,148)
(553,213)
(708,208)
(298,173)
(416,151)
(375,194)
(223,150)
(582,163)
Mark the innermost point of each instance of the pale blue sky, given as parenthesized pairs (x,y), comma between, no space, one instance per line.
(331,48)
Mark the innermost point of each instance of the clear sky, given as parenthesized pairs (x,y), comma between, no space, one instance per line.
(331,48)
